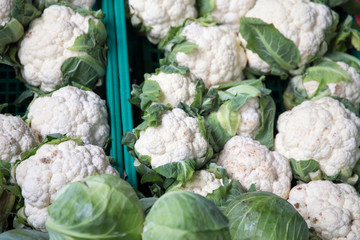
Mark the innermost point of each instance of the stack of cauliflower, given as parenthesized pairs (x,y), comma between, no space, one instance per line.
(63,136)
(202,130)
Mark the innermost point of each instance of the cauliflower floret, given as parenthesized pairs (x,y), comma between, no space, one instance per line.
(161,15)
(219,57)
(347,90)
(250,118)
(301,21)
(43,57)
(177,138)
(5,11)
(16,137)
(333,210)
(229,12)
(175,88)
(322,130)
(71,111)
(203,183)
(249,162)
(83,3)
(52,167)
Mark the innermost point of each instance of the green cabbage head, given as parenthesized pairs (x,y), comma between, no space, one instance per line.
(99,207)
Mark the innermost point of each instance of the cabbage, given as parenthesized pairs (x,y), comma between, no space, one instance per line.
(23,234)
(184,215)
(99,207)
(264,215)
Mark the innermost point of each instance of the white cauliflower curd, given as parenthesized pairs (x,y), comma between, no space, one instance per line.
(53,166)
(322,130)
(159,15)
(333,210)
(203,183)
(219,57)
(44,47)
(177,138)
(301,21)
(249,162)
(16,137)
(229,12)
(250,118)
(175,88)
(5,11)
(71,111)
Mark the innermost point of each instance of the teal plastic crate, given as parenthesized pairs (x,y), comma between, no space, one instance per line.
(11,88)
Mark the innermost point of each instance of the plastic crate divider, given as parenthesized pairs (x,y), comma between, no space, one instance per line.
(112,87)
(125,91)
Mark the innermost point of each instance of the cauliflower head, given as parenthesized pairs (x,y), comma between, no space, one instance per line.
(249,162)
(5,11)
(43,57)
(301,21)
(53,166)
(322,130)
(229,12)
(16,137)
(333,210)
(347,90)
(177,138)
(160,15)
(219,57)
(250,118)
(175,88)
(203,183)
(71,111)
(83,3)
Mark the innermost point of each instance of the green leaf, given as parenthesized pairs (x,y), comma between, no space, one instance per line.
(331,3)
(349,105)
(200,89)
(181,171)
(266,132)
(326,72)
(10,33)
(351,7)
(180,215)
(218,135)
(346,58)
(129,139)
(98,207)
(152,116)
(7,202)
(135,95)
(171,38)
(206,6)
(148,175)
(219,172)
(348,36)
(228,118)
(174,69)
(25,11)
(24,234)
(302,169)
(3,106)
(147,203)
(271,46)
(5,170)
(150,93)
(224,195)
(252,188)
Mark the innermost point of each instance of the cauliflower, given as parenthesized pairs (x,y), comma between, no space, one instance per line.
(43,57)
(249,162)
(301,21)
(5,11)
(219,57)
(203,183)
(333,210)
(177,138)
(83,3)
(71,111)
(250,118)
(52,167)
(322,130)
(16,137)
(347,90)
(175,88)
(229,12)
(159,15)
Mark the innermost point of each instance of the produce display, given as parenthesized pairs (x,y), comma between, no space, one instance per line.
(216,157)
